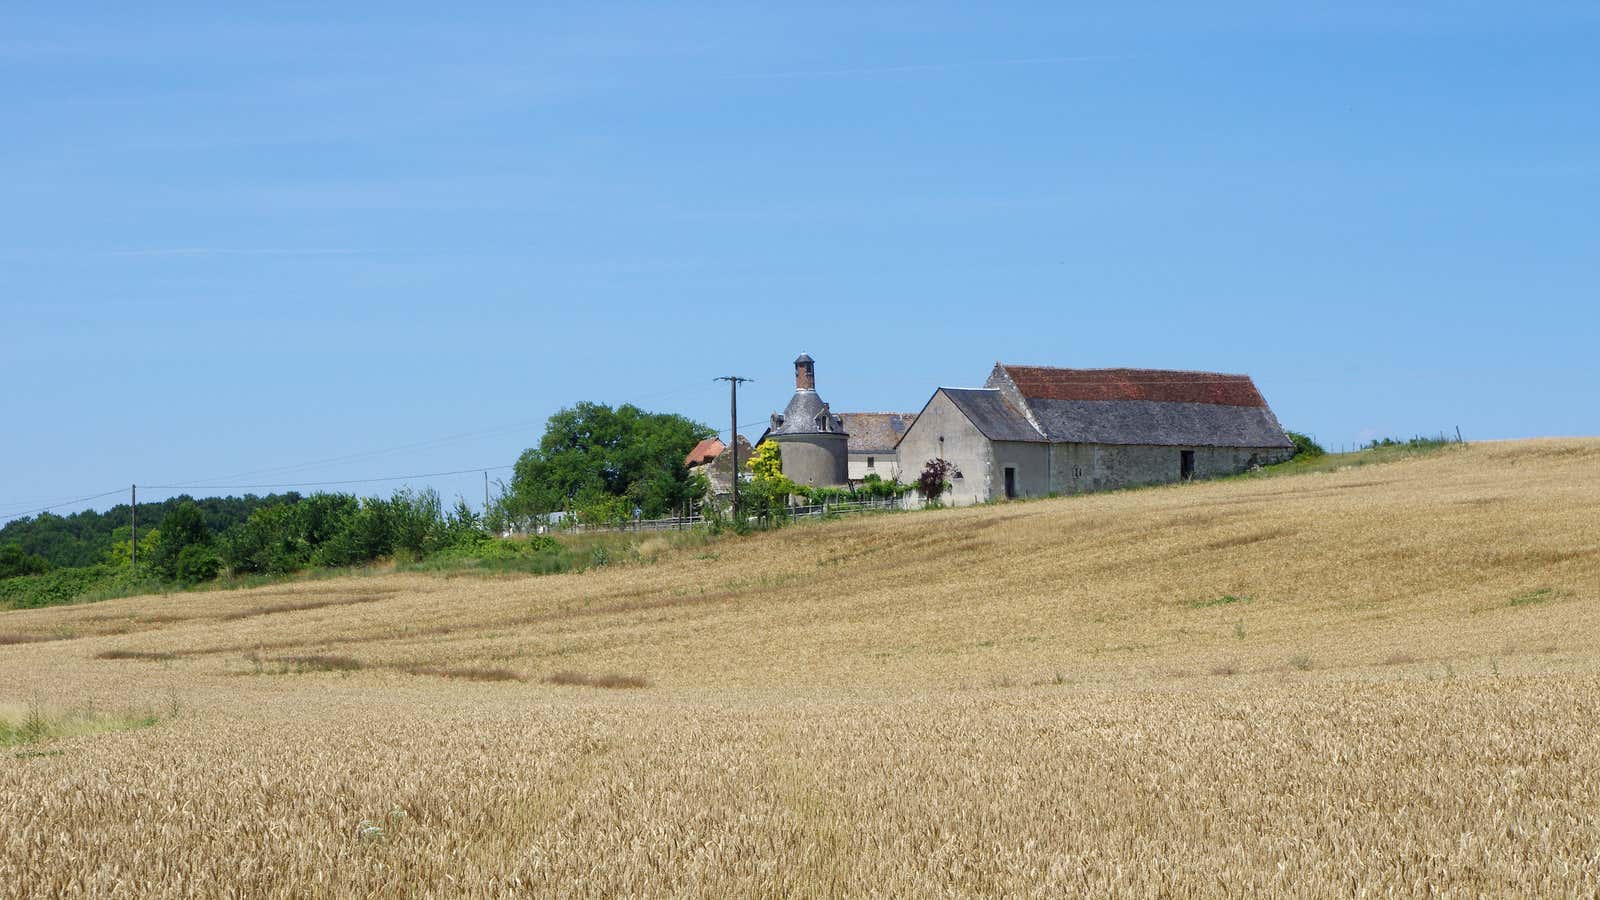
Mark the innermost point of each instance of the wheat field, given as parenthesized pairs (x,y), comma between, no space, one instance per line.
(1381,681)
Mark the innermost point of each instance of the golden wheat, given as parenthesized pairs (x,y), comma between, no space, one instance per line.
(1382,680)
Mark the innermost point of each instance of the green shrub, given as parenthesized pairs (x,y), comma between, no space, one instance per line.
(1305,446)
(874,487)
(54,587)
(197,563)
(1415,443)
(501,549)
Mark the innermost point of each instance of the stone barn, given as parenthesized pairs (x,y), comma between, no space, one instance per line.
(1032,431)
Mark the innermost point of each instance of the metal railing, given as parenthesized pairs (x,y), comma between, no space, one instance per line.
(683,523)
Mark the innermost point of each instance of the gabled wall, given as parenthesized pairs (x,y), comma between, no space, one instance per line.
(963,445)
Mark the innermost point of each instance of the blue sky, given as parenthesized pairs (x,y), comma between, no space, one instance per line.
(302,244)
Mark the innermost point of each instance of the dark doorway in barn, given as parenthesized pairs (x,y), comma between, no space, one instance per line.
(1186,464)
(1011,483)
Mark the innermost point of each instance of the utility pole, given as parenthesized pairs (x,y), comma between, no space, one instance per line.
(133,507)
(733,431)
(486,492)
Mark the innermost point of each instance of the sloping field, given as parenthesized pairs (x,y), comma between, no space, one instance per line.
(1381,680)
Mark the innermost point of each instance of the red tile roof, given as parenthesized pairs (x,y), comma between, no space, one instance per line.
(705,451)
(1160,385)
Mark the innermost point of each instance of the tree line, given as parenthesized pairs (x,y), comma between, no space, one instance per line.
(594,463)
(84,538)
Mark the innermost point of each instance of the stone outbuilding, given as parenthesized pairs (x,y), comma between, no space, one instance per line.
(711,458)
(812,440)
(1034,431)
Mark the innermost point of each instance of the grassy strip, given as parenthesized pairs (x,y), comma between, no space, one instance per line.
(463,673)
(1333,462)
(141,655)
(611,680)
(35,723)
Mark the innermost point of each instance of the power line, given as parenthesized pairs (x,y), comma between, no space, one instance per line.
(722,431)
(418,445)
(292,484)
(207,484)
(33,512)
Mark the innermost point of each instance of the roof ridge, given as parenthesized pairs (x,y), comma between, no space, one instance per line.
(1123,369)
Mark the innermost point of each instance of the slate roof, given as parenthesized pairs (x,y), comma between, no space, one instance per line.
(993,415)
(875,432)
(801,416)
(1143,406)
(1158,424)
(705,451)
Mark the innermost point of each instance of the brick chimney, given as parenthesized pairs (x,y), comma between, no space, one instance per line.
(805,373)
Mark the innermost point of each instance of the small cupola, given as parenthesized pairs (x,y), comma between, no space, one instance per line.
(805,373)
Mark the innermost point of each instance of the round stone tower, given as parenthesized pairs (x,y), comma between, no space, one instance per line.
(815,447)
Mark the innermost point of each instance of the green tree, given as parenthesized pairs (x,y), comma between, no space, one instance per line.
(183,527)
(15,561)
(591,453)
(120,553)
(268,542)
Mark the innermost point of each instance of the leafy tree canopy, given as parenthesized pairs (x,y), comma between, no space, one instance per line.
(84,538)
(183,527)
(121,552)
(16,561)
(592,455)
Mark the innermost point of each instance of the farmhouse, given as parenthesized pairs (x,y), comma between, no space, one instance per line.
(873,437)
(1034,430)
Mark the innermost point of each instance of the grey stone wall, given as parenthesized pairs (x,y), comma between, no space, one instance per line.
(1031,462)
(818,459)
(1078,468)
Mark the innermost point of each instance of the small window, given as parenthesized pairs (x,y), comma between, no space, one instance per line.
(872,462)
